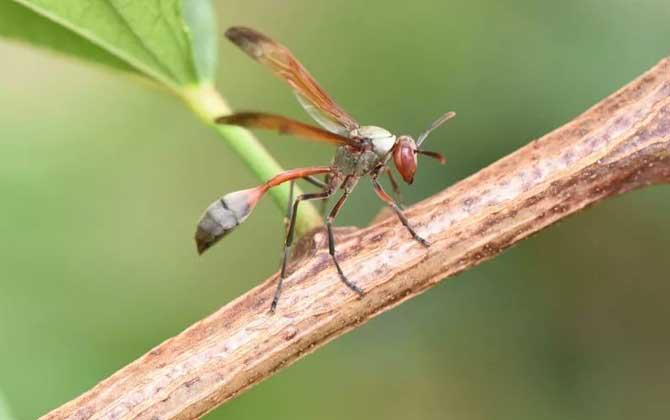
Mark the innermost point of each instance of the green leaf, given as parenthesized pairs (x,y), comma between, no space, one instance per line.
(201,27)
(170,41)
(20,23)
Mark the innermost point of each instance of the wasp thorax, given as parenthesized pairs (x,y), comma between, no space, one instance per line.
(382,140)
(404,157)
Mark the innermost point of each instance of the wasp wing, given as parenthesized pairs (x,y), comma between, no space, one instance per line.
(320,117)
(284,126)
(281,61)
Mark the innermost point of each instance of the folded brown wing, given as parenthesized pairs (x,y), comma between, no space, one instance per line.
(282,63)
(283,125)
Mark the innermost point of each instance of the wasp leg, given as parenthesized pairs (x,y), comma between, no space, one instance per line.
(396,189)
(289,206)
(285,249)
(331,242)
(324,203)
(316,182)
(323,185)
(290,232)
(389,200)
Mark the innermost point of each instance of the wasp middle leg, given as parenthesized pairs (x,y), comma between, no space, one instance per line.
(331,240)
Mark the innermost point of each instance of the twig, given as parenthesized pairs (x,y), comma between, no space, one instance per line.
(620,144)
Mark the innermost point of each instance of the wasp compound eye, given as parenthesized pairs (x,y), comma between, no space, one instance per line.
(404,157)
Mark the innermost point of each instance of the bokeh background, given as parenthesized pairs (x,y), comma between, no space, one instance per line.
(102,180)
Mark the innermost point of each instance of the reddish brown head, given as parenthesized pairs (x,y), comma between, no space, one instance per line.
(404,158)
(406,149)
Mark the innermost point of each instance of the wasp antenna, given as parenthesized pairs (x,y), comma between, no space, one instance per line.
(434,155)
(438,122)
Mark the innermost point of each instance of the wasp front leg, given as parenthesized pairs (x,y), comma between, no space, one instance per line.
(396,208)
(396,189)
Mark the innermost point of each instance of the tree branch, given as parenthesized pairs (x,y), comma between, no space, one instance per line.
(620,144)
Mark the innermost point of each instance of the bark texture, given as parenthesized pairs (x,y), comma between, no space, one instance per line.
(620,144)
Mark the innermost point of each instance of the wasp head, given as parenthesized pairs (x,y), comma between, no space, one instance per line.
(406,149)
(404,157)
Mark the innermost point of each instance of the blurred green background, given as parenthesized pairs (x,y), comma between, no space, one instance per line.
(103,179)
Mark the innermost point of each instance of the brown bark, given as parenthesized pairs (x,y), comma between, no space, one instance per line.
(620,144)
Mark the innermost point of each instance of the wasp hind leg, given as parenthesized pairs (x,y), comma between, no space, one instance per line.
(292,213)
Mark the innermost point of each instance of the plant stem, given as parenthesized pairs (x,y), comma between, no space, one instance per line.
(208,104)
(4,409)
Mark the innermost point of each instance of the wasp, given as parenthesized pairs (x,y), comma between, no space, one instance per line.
(362,150)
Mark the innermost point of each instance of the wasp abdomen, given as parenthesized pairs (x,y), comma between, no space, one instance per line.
(224,215)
